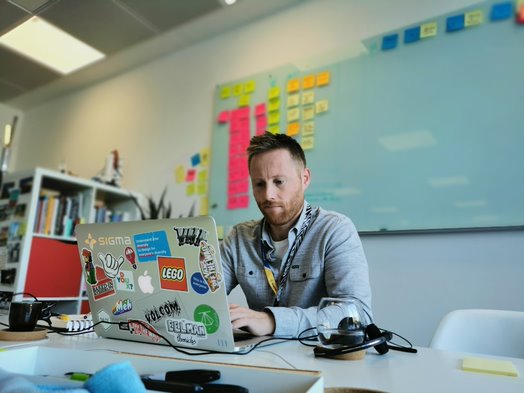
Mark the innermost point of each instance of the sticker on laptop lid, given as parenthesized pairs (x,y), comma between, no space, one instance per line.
(151,245)
(185,331)
(170,308)
(173,274)
(140,328)
(89,266)
(122,306)
(111,264)
(125,281)
(104,287)
(209,266)
(191,236)
(208,317)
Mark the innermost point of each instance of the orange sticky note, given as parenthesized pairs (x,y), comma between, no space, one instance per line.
(293,85)
(323,78)
(308,82)
(293,129)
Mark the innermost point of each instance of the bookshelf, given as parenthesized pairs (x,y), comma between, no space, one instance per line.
(38,252)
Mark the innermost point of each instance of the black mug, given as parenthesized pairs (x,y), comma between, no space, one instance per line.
(23,316)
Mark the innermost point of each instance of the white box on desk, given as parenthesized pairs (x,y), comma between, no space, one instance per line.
(56,362)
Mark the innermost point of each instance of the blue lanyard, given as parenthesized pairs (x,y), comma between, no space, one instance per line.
(266,251)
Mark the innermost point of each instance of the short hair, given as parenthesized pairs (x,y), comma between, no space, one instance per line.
(268,142)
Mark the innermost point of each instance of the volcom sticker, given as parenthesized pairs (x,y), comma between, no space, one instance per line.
(209,266)
(151,245)
(172,273)
(186,332)
(171,308)
(208,317)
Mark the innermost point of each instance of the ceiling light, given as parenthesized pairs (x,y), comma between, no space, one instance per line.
(229,2)
(50,46)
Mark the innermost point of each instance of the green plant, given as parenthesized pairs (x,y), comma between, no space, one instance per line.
(154,209)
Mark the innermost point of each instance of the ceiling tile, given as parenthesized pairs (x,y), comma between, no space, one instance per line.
(10,16)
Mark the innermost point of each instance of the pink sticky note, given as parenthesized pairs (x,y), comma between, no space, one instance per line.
(260,109)
(261,122)
(237,202)
(190,176)
(223,117)
(238,187)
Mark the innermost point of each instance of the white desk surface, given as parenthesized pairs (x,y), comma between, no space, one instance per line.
(428,371)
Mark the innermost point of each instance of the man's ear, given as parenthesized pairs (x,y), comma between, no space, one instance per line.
(306,177)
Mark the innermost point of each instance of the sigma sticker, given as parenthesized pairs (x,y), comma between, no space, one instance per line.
(209,266)
(172,273)
(143,329)
(208,317)
(151,245)
(111,264)
(122,306)
(125,281)
(104,286)
(190,236)
(89,266)
(186,332)
(170,308)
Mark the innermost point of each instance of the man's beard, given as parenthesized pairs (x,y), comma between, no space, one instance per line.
(289,212)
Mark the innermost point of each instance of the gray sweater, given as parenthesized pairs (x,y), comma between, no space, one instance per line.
(330,262)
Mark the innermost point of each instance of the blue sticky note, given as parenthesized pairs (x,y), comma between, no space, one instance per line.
(389,41)
(195,160)
(501,11)
(412,35)
(455,23)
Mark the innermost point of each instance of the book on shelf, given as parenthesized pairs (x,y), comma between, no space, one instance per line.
(58,214)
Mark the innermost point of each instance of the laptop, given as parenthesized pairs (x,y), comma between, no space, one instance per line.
(165,273)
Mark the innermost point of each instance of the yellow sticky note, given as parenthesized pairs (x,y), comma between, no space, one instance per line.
(293,100)
(308,82)
(204,156)
(490,366)
(428,30)
(293,129)
(323,78)
(273,105)
(308,142)
(308,97)
(202,189)
(190,189)
(321,106)
(244,100)
(309,128)
(274,118)
(202,177)
(273,92)
(225,92)
(473,18)
(293,114)
(238,89)
(293,85)
(274,129)
(220,232)
(250,87)
(204,206)
(308,112)
(180,174)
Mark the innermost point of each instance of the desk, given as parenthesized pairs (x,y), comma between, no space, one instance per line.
(428,371)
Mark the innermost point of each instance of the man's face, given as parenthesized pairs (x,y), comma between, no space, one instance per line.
(279,183)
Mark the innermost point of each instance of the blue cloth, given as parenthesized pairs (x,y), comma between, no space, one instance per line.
(115,378)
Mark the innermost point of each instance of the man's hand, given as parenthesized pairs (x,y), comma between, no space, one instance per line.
(258,323)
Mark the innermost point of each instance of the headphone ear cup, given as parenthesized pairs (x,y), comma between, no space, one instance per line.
(372,332)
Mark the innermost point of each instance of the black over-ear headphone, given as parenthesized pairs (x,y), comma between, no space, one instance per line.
(373,337)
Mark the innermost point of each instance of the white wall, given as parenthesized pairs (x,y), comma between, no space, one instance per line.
(159,114)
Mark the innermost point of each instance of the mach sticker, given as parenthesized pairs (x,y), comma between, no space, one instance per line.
(172,273)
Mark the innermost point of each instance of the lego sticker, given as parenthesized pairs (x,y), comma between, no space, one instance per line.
(172,273)
(170,308)
(186,332)
(209,266)
(151,245)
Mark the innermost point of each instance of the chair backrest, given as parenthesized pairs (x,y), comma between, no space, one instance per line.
(491,332)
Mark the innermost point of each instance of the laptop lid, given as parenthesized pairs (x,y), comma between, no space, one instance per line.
(165,273)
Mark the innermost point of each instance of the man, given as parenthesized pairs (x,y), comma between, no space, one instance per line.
(297,254)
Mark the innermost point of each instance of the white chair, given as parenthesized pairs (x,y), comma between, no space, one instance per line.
(490,332)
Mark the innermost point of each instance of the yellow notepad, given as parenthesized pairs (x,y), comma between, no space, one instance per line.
(490,366)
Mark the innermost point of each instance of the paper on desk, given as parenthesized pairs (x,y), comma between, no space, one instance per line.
(490,366)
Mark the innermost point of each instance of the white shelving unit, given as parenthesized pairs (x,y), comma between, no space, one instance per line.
(42,258)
